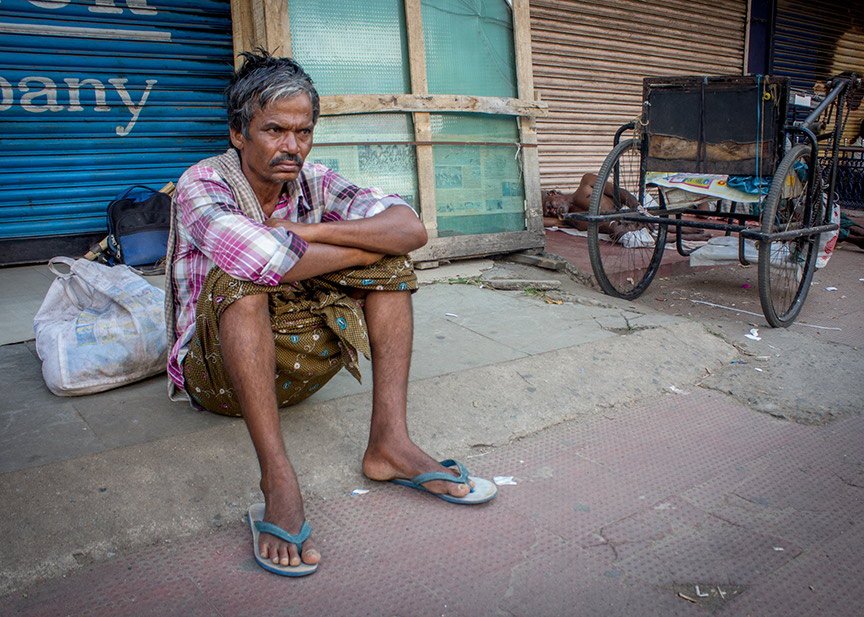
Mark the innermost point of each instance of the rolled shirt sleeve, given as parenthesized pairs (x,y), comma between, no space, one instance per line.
(243,248)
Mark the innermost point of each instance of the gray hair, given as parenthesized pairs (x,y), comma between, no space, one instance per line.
(261,80)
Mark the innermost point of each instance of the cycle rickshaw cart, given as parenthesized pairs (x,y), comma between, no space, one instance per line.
(728,130)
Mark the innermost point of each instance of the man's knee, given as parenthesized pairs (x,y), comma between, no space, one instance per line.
(247,307)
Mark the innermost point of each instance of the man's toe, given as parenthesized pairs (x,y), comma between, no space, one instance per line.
(311,556)
(284,554)
(293,555)
(460,490)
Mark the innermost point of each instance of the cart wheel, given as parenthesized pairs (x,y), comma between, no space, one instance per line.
(786,267)
(624,272)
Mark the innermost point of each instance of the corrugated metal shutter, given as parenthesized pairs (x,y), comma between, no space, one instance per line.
(97,95)
(817,39)
(590,58)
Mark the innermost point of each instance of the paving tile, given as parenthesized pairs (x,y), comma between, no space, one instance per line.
(574,497)
(30,284)
(826,581)
(809,493)
(642,530)
(436,341)
(716,552)
(146,583)
(140,413)
(460,300)
(36,427)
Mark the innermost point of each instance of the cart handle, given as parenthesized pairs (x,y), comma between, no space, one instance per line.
(623,129)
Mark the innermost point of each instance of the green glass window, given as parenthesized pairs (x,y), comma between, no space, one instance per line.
(478,188)
(469,47)
(352,47)
(392,167)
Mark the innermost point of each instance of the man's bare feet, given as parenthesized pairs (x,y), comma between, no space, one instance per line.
(404,460)
(284,508)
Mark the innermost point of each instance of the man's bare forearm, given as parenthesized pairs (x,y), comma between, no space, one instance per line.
(396,231)
(323,258)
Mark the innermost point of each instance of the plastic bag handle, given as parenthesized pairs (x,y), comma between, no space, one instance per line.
(66,261)
(77,291)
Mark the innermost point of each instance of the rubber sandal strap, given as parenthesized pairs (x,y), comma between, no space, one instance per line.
(444,476)
(275,530)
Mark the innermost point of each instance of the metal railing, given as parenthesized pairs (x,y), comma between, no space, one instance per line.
(850,177)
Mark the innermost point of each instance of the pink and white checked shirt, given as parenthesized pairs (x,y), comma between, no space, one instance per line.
(213,231)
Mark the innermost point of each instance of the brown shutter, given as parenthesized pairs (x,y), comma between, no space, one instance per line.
(590,57)
(817,39)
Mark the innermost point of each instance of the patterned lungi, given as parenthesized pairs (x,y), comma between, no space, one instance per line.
(317,328)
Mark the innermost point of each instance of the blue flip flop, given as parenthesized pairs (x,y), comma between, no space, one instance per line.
(483,490)
(258,526)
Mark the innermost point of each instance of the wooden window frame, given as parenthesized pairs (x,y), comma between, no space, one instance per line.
(265,23)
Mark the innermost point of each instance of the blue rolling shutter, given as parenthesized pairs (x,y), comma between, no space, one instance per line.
(97,95)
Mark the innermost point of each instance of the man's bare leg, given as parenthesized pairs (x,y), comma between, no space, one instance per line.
(391,453)
(249,356)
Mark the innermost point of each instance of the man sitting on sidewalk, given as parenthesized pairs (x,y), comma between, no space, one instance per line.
(279,274)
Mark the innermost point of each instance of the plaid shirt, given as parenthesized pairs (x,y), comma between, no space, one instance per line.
(212,231)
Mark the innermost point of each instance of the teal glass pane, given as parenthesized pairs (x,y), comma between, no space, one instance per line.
(352,47)
(478,190)
(474,127)
(364,127)
(469,47)
(391,168)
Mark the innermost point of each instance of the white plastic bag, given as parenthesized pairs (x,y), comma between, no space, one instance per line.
(98,328)
(722,250)
(828,240)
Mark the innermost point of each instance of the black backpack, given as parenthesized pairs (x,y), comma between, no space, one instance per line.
(138,225)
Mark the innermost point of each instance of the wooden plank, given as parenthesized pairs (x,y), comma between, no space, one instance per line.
(422,122)
(276,26)
(527,125)
(416,46)
(241,28)
(522,47)
(426,175)
(464,247)
(370,103)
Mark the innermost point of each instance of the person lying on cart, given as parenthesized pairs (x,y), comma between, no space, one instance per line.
(280,272)
(557,204)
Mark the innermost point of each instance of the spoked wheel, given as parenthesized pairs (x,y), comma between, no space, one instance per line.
(624,255)
(786,267)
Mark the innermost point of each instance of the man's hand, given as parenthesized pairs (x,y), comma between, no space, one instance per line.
(395,231)
(304,230)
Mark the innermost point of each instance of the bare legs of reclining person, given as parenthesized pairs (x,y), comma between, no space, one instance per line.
(615,229)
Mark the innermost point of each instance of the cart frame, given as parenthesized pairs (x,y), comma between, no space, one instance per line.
(787,229)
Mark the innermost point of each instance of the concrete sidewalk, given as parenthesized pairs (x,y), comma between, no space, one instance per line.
(637,477)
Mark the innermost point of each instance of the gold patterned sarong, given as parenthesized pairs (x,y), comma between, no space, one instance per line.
(317,329)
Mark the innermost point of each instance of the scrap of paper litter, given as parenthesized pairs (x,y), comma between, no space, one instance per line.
(754,335)
(359,491)
(502,480)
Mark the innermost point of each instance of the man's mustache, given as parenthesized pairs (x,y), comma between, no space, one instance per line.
(286,158)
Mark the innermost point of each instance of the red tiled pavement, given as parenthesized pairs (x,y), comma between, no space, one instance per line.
(575,250)
(614,515)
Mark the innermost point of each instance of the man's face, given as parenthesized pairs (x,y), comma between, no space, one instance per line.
(280,138)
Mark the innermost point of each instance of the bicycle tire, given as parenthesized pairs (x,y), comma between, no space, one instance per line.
(622,272)
(786,268)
